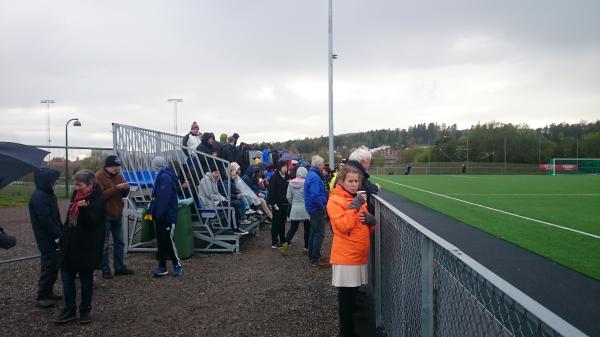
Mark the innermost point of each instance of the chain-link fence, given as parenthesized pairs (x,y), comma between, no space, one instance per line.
(424,286)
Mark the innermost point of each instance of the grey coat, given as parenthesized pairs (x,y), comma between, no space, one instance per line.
(295,195)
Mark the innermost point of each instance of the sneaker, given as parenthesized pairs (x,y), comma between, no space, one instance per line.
(107,275)
(305,251)
(177,271)
(125,271)
(259,212)
(245,222)
(250,211)
(240,231)
(283,250)
(66,315)
(160,271)
(45,303)
(267,220)
(275,246)
(84,315)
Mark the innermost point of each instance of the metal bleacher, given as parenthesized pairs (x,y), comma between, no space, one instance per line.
(136,147)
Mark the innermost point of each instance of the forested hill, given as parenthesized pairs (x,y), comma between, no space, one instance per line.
(486,141)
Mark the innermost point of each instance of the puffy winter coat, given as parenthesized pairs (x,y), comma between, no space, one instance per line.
(43,210)
(351,239)
(164,196)
(315,196)
(81,245)
(295,195)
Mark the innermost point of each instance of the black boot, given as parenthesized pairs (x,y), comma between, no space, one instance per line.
(67,314)
(84,315)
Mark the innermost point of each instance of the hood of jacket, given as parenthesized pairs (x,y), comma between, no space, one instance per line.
(45,178)
(297,183)
(251,170)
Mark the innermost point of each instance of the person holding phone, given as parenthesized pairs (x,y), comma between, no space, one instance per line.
(351,224)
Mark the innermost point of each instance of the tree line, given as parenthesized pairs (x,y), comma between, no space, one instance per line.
(487,142)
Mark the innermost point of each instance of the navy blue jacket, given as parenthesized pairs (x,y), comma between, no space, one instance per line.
(315,196)
(164,196)
(250,181)
(43,210)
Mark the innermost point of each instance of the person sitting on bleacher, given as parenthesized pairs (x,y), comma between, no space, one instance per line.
(206,144)
(191,141)
(249,193)
(238,202)
(210,196)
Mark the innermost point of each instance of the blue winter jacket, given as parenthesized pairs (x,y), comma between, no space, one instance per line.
(43,210)
(164,196)
(315,196)
(252,182)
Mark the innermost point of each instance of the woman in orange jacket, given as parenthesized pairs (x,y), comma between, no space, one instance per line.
(351,224)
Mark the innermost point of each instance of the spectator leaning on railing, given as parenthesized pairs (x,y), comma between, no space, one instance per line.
(351,224)
(47,227)
(191,141)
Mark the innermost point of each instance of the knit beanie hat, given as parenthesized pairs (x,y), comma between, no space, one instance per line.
(194,126)
(158,163)
(111,161)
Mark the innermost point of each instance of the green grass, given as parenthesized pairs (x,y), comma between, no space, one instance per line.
(568,201)
(18,195)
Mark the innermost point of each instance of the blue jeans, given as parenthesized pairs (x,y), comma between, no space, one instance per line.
(317,234)
(69,291)
(116,228)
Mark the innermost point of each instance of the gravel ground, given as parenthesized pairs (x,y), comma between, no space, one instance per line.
(256,293)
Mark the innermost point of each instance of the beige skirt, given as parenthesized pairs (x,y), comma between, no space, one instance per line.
(349,275)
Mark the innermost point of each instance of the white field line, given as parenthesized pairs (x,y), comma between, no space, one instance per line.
(492,209)
(525,194)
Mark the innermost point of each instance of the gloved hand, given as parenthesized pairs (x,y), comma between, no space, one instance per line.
(368,219)
(357,202)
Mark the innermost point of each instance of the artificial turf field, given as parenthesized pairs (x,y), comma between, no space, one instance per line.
(528,211)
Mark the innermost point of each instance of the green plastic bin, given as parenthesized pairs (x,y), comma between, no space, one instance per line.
(184,237)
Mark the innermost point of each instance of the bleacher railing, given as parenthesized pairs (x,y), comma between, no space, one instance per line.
(425,286)
(137,147)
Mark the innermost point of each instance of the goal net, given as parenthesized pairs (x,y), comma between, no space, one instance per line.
(574,166)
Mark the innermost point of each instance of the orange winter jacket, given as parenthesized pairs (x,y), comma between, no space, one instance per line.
(351,240)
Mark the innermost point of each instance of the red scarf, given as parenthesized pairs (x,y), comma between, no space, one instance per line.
(74,208)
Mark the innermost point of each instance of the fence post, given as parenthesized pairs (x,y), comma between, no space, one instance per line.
(426,287)
(377,266)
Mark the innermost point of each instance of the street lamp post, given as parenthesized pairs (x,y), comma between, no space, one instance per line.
(331,57)
(77,123)
(175,101)
(48,102)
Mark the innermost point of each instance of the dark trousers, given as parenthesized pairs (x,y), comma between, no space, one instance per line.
(239,210)
(165,231)
(317,234)
(294,227)
(87,287)
(278,225)
(346,305)
(48,274)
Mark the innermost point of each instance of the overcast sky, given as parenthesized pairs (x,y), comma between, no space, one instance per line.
(259,67)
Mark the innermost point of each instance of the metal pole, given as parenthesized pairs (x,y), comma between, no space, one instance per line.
(505,155)
(467,153)
(540,151)
(377,266)
(67,156)
(331,57)
(48,102)
(429,156)
(577,153)
(426,287)
(174,101)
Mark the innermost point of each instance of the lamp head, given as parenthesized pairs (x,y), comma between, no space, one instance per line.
(77,123)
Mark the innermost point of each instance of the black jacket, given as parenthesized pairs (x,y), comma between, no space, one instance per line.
(229,152)
(81,245)
(243,157)
(43,210)
(366,185)
(278,189)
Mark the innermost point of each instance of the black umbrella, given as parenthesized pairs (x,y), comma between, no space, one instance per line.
(16,160)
